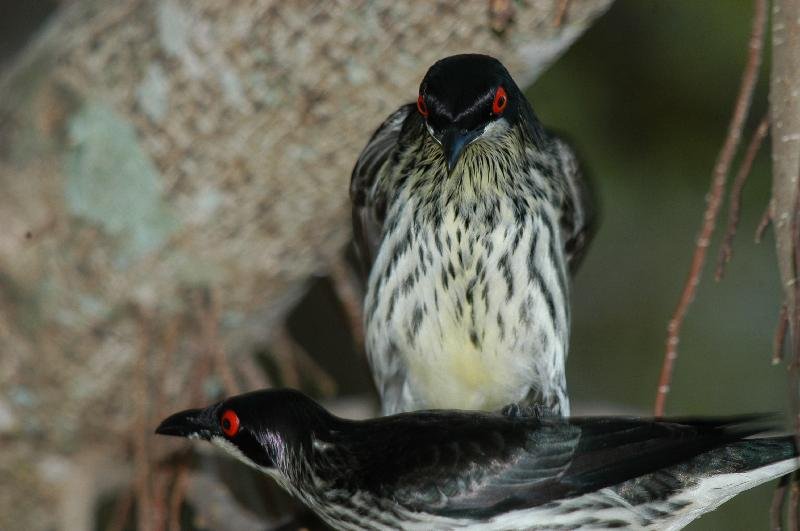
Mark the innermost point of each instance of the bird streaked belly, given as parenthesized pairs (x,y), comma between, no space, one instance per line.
(476,312)
(467,214)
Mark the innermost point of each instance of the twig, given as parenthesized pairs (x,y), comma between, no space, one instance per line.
(719,176)
(776,507)
(780,335)
(291,355)
(141,457)
(168,346)
(735,201)
(501,14)
(121,513)
(178,496)
(324,381)
(351,298)
(199,372)
(766,219)
(282,347)
(794,366)
(794,498)
(561,13)
(253,375)
(209,330)
(159,516)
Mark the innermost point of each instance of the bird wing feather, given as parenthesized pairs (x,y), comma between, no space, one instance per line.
(579,208)
(369,204)
(482,470)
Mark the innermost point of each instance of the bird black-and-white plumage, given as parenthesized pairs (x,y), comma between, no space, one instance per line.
(479,470)
(467,215)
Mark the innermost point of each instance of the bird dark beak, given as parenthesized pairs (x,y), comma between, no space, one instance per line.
(190,423)
(454,141)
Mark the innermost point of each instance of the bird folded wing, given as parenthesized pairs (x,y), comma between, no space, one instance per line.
(368,214)
(559,460)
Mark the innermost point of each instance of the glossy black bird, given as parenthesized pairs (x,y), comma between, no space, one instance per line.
(467,214)
(458,469)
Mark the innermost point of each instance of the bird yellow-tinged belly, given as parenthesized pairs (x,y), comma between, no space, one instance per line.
(458,375)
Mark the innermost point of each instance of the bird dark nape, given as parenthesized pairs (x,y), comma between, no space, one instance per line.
(479,470)
(468,215)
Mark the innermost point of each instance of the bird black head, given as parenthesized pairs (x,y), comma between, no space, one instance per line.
(467,97)
(260,428)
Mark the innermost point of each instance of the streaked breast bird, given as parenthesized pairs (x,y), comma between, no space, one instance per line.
(467,215)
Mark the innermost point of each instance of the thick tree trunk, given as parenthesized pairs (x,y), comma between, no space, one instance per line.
(784,205)
(785,121)
(172,172)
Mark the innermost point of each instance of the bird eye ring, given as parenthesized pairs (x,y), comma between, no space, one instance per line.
(500,101)
(229,423)
(421,107)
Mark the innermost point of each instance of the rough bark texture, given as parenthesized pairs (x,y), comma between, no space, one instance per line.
(159,158)
(785,121)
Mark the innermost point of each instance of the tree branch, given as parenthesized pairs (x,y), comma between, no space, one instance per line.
(735,201)
(715,195)
(785,120)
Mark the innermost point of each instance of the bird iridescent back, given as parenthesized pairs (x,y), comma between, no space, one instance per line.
(490,471)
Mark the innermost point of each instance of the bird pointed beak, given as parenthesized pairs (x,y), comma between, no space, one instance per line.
(192,423)
(454,141)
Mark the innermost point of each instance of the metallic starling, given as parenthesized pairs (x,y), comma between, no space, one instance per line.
(479,470)
(467,214)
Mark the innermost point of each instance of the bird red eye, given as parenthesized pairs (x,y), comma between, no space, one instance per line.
(500,101)
(229,423)
(421,107)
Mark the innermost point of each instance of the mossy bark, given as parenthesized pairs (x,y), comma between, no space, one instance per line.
(153,149)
